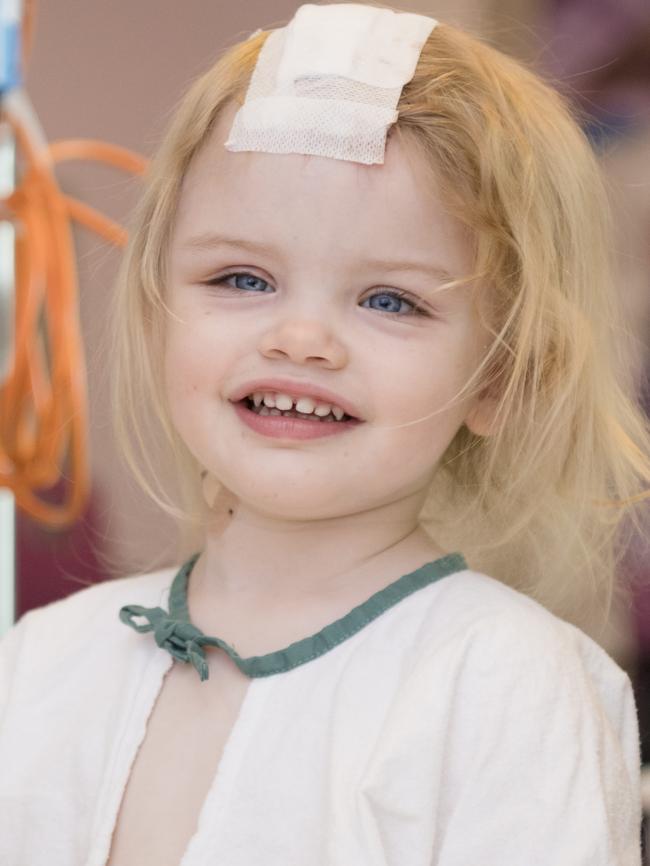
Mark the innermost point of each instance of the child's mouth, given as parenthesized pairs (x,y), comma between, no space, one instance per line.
(292,413)
(290,424)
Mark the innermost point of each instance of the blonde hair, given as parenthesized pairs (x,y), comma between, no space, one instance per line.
(541,503)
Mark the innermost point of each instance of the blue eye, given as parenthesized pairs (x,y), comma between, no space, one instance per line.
(396,299)
(247,282)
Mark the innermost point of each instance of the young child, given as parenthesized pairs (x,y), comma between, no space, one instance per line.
(367,301)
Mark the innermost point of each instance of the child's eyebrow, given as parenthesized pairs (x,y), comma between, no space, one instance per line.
(210,241)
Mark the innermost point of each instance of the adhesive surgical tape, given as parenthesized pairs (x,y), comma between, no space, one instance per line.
(329,82)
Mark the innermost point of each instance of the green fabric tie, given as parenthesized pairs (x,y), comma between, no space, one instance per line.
(183,640)
(175,633)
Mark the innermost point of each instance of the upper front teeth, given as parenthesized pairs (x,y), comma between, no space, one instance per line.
(305,405)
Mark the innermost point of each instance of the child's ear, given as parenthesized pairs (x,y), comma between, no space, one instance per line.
(480,419)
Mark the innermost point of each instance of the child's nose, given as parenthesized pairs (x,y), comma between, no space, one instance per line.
(302,340)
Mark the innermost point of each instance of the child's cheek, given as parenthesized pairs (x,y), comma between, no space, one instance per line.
(182,366)
(203,350)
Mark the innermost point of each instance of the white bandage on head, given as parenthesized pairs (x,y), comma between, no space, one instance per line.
(328,83)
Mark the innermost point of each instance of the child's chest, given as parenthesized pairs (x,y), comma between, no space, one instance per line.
(176,764)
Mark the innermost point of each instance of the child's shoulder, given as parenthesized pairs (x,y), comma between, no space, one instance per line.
(499,627)
(501,657)
(536,717)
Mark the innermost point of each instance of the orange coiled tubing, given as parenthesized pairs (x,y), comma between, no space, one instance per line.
(43,401)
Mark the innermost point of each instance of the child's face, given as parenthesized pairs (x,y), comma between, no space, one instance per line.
(315,309)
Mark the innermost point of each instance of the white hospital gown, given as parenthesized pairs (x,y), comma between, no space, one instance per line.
(462,726)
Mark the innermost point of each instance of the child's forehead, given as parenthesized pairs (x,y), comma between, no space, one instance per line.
(214,159)
(393,208)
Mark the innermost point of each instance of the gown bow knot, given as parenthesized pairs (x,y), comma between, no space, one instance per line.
(182,639)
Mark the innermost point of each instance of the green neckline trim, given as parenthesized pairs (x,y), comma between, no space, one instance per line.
(174,632)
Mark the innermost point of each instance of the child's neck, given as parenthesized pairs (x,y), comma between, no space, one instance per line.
(257,558)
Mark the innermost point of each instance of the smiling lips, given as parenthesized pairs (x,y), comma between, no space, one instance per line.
(303,397)
(279,426)
(301,407)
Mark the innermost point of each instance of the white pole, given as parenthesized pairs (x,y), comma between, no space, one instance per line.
(10,17)
(7,291)
(7,560)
